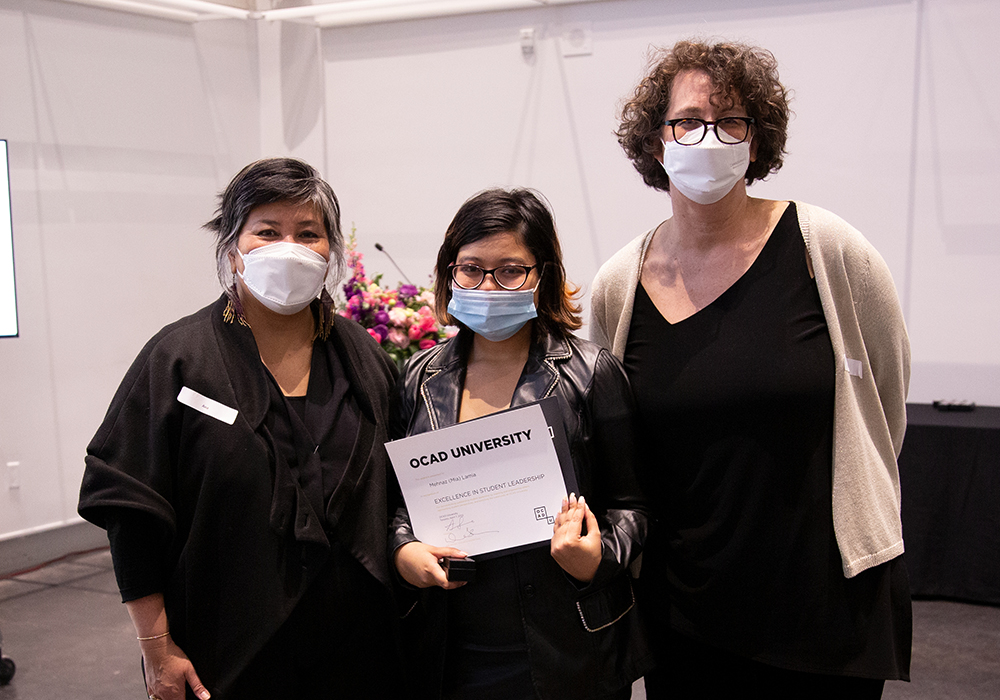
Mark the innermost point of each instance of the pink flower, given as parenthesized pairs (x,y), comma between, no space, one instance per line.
(401,319)
(399,338)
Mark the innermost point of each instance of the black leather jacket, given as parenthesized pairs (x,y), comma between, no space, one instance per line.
(584,640)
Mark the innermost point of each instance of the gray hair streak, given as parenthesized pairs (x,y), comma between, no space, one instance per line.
(265,182)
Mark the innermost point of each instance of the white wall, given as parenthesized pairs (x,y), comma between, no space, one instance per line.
(122,130)
(951,282)
(895,129)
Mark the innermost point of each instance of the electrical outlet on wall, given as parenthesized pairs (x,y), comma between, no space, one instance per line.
(577,39)
(528,42)
(13,476)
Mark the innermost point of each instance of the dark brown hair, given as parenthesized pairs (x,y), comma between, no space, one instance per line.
(746,74)
(524,213)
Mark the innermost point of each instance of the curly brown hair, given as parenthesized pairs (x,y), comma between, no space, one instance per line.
(739,72)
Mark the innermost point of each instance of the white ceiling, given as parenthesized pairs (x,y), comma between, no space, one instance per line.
(323,13)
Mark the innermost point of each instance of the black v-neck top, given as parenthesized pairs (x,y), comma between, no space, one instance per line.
(736,406)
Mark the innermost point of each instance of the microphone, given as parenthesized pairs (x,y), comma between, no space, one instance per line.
(379,248)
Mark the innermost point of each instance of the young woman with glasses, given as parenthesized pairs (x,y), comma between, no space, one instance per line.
(555,621)
(766,347)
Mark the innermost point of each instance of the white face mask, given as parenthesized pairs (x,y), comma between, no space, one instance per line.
(708,171)
(283,276)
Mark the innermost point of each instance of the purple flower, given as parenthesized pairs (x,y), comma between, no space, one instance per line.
(381,331)
(407,290)
(382,318)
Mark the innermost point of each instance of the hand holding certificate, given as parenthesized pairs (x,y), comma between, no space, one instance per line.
(488,485)
(576,539)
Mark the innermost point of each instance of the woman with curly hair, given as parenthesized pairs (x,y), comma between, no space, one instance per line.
(766,348)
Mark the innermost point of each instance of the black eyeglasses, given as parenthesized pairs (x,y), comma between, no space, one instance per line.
(509,277)
(690,131)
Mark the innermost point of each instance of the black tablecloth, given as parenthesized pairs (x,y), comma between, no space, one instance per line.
(949,473)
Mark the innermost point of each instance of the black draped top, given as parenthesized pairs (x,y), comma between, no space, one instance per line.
(736,416)
(315,433)
(314,436)
(234,547)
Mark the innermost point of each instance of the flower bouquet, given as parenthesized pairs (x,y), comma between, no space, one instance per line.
(401,320)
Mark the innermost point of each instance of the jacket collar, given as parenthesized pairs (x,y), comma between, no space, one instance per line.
(242,361)
(441,389)
(247,375)
(249,383)
(371,397)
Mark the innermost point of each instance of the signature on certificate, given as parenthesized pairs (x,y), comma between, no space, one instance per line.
(457,528)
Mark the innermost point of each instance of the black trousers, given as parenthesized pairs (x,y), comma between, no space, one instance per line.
(691,669)
(337,643)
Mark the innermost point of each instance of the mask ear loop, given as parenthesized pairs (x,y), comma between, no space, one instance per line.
(538,284)
(236,272)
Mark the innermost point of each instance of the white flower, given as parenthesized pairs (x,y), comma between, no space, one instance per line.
(398,315)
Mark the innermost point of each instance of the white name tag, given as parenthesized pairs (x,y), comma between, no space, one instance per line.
(190,397)
(853,367)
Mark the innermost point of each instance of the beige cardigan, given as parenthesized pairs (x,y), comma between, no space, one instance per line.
(872,355)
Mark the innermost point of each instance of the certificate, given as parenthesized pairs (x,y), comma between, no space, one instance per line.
(489,485)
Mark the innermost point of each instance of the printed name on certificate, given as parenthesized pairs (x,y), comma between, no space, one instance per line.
(490,484)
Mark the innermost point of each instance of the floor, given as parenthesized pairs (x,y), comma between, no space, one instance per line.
(66,629)
(69,634)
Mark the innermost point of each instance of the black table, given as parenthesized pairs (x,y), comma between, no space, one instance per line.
(949,473)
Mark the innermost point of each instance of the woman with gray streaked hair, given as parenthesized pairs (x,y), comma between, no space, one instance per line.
(268,182)
(240,472)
